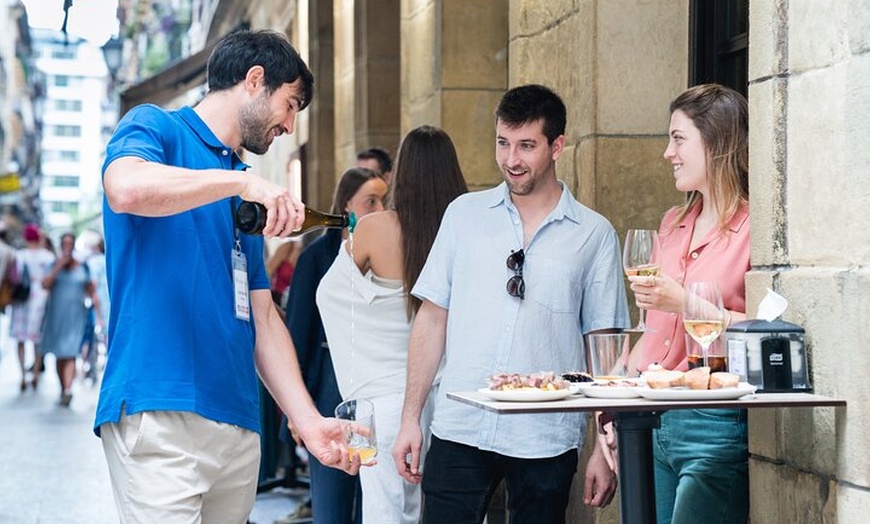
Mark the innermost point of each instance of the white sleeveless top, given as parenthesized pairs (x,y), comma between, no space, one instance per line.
(367,329)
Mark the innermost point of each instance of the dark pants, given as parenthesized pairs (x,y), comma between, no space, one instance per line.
(459,480)
(335,495)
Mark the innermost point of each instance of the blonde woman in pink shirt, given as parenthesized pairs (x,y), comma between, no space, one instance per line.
(701,455)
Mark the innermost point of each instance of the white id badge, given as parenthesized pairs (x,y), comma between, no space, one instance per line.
(240,285)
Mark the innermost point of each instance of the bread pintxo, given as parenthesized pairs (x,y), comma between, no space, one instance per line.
(721,379)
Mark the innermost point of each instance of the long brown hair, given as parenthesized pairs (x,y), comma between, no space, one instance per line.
(427,179)
(722,117)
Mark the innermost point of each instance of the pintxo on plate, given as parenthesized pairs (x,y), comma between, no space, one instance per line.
(544,380)
(699,378)
(577,376)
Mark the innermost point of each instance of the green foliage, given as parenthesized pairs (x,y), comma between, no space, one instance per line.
(156,58)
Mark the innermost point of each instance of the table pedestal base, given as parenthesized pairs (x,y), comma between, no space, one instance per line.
(637,496)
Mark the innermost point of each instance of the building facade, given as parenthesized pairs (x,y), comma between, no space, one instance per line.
(73,138)
(21,98)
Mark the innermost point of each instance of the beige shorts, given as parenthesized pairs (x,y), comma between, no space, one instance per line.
(178,467)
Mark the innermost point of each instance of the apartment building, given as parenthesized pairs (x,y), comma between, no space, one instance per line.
(73,134)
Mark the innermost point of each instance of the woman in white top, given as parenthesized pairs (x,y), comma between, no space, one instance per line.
(25,324)
(367,310)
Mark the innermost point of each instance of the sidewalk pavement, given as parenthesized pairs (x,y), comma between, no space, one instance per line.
(52,467)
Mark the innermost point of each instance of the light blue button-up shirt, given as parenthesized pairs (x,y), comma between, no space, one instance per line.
(573,277)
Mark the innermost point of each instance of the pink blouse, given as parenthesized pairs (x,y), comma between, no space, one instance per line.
(720,257)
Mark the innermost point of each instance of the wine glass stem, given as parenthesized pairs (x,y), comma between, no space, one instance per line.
(641,317)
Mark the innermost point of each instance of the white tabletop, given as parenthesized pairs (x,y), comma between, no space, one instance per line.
(581,403)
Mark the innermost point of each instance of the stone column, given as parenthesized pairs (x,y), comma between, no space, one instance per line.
(345,90)
(367,77)
(454,71)
(321,178)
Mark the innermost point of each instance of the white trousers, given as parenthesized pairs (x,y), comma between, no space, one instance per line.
(179,468)
(387,497)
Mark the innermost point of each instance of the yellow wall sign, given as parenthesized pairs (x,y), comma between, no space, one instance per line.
(9,183)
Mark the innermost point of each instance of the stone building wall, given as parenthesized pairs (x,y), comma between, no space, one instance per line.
(367,77)
(454,71)
(617,64)
(809,122)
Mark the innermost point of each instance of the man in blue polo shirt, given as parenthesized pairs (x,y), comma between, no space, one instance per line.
(192,319)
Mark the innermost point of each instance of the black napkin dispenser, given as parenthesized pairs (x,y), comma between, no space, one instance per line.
(769,355)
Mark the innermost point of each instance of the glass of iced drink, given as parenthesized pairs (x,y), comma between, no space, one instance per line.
(362,413)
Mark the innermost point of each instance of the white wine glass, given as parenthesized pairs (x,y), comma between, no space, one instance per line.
(703,317)
(640,257)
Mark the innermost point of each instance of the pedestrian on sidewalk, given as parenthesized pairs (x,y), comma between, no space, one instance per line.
(179,409)
(68,283)
(25,321)
(95,332)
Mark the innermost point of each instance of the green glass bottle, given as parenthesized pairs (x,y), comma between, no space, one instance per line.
(250,219)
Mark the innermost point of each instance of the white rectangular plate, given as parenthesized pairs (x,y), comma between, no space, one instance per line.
(595,390)
(742,389)
(525,395)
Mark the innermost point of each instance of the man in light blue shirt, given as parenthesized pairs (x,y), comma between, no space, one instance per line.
(517,275)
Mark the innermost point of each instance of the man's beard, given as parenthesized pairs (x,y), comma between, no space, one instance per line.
(256,133)
(519,188)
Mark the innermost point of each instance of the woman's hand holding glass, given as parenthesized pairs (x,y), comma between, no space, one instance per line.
(640,258)
(661,293)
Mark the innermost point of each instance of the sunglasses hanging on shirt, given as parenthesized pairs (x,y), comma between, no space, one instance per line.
(516,286)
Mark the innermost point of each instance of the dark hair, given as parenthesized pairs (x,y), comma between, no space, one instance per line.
(530,103)
(427,179)
(69,234)
(722,117)
(241,50)
(378,154)
(350,182)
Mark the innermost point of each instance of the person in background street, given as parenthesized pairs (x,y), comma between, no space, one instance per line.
(280,267)
(68,284)
(334,494)
(378,160)
(7,252)
(179,411)
(25,323)
(96,262)
(372,277)
(701,456)
(562,265)
(48,244)
(8,266)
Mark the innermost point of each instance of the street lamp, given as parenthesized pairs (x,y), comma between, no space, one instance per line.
(112,54)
